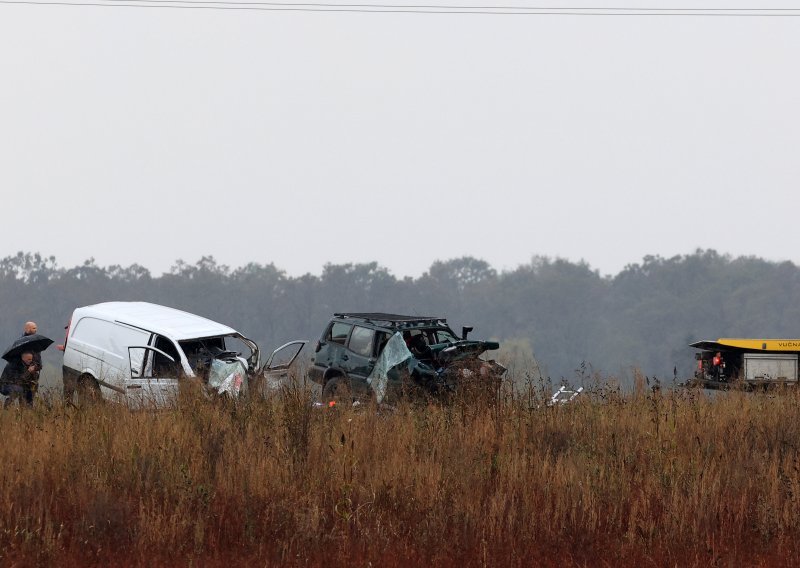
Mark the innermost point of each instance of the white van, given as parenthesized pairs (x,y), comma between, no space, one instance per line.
(137,352)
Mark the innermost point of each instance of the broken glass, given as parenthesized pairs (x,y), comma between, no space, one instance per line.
(394,353)
(228,376)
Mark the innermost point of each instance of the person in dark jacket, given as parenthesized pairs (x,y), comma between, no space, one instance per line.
(20,379)
(32,329)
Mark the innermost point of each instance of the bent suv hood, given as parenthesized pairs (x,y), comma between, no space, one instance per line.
(466,349)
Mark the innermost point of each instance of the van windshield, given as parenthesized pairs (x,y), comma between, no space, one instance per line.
(201,353)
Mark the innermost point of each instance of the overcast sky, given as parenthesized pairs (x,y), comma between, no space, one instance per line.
(145,136)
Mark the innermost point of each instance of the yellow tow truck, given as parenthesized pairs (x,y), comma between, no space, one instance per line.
(746,363)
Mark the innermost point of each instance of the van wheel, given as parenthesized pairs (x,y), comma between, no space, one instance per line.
(88,391)
(338,391)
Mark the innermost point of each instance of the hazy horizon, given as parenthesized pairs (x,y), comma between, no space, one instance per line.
(145,136)
(318,272)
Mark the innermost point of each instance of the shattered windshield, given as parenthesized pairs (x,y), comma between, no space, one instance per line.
(432,336)
(445,336)
(201,353)
(228,377)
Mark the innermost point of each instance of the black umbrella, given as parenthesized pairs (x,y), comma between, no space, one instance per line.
(34,343)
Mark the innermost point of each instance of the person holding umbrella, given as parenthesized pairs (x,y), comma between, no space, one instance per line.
(19,379)
(21,375)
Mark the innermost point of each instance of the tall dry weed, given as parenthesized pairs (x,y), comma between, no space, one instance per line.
(658,476)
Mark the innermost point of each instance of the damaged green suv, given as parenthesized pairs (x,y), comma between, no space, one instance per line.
(375,355)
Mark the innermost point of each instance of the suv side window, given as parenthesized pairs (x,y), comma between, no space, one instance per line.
(361,341)
(338,333)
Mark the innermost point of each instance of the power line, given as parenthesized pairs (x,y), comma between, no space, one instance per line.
(421,9)
(461,7)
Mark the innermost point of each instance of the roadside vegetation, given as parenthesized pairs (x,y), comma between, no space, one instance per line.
(651,477)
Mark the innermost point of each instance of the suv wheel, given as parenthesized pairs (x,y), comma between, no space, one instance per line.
(338,390)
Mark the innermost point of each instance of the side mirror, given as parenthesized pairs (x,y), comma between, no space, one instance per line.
(465,331)
(318,345)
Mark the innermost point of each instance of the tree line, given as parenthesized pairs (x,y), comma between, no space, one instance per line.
(572,317)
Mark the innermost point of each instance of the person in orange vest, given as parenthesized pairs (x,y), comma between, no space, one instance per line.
(717,365)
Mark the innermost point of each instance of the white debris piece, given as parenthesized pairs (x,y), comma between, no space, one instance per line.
(564,395)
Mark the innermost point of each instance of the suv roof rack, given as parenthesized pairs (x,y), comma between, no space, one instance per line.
(393,318)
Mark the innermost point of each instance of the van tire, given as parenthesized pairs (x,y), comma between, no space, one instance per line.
(88,391)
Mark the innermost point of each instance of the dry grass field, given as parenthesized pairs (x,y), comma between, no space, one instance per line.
(649,478)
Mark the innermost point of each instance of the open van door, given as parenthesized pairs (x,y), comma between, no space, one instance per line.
(275,371)
(154,377)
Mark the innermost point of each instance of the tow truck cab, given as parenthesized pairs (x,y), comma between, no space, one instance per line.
(746,362)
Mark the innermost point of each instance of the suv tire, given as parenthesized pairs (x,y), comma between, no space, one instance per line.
(338,389)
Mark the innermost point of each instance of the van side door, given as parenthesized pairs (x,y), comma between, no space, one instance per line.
(154,377)
(276,371)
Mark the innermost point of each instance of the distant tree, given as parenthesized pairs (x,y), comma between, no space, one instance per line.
(461,273)
(644,316)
